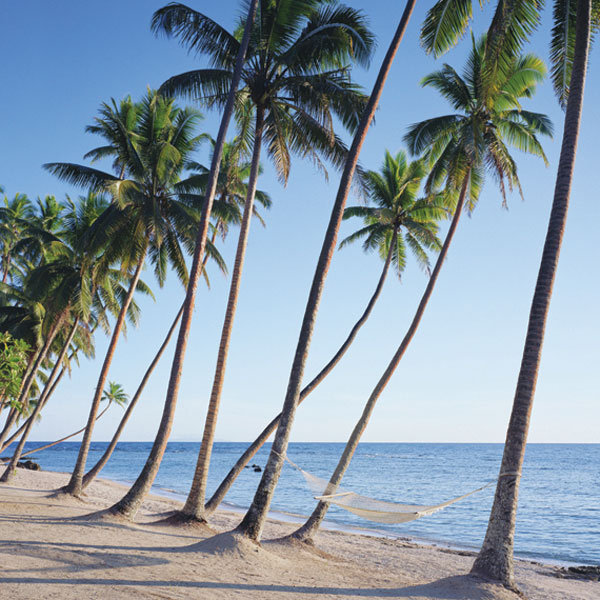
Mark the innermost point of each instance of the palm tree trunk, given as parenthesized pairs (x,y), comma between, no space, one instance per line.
(11,468)
(307,531)
(12,438)
(93,472)
(130,503)
(246,457)
(495,559)
(74,486)
(30,378)
(194,505)
(67,437)
(252,524)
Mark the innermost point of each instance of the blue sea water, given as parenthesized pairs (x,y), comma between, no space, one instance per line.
(559,504)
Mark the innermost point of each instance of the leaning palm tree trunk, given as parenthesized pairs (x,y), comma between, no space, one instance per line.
(252,524)
(28,381)
(307,531)
(495,559)
(67,437)
(74,486)
(93,472)
(12,466)
(246,457)
(130,503)
(194,505)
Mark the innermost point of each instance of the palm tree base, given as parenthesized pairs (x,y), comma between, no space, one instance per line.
(230,543)
(179,519)
(492,569)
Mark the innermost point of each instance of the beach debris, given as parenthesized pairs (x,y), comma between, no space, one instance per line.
(30,465)
(590,572)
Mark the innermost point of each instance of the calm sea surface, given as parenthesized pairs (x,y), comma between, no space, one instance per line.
(559,505)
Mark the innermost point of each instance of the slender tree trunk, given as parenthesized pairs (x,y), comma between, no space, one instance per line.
(246,457)
(12,438)
(11,468)
(93,472)
(67,437)
(252,524)
(74,486)
(495,559)
(30,378)
(131,502)
(307,531)
(194,505)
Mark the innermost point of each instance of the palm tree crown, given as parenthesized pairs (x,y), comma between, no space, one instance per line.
(489,117)
(397,212)
(296,72)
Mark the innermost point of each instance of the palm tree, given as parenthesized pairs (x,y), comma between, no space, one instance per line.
(142,485)
(13,216)
(151,144)
(295,81)
(252,524)
(393,191)
(231,188)
(77,278)
(571,36)
(462,147)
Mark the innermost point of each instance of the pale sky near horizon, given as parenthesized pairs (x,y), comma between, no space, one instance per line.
(457,380)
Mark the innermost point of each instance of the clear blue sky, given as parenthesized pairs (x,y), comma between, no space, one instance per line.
(456,383)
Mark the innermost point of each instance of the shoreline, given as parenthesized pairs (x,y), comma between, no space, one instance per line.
(60,547)
(295,518)
(298,519)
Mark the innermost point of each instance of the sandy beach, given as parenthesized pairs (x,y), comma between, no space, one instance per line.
(50,549)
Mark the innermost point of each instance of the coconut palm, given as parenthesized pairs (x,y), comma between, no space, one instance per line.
(14,214)
(461,147)
(150,143)
(231,191)
(79,279)
(295,80)
(396,220)
(574,23)
(253,522)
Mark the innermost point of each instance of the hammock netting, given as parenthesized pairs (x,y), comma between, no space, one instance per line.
(371,508)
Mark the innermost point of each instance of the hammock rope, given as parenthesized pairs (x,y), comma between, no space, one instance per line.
(373,509)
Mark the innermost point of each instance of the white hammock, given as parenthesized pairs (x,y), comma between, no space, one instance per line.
(370,508)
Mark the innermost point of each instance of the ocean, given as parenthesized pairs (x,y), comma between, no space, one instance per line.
(559,504)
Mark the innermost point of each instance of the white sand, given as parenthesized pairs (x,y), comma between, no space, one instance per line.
(45,553)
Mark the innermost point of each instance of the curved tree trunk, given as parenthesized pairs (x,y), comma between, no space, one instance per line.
(74,486)
(246,457)
(67,437)
(307,531)
(30,378)
(495,559)
(194,505)
(14,461)
(93,472)
(252,524)
(130,503)
(18,432)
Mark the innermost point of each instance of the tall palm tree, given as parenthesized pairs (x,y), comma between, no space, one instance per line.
(140,488)
(253,522)
(461,147)
(574,22)
(14,214)
(78,278)
(151,144)
(295,81)
(396,220)
(231,191)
